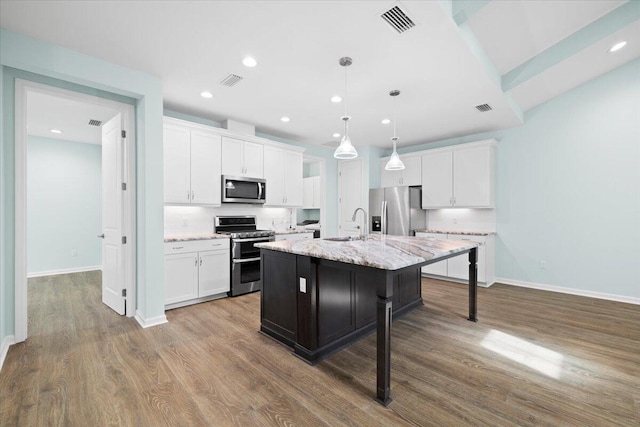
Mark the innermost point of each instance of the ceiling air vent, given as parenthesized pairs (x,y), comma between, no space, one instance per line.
(332,144)
(230,80)
(483,108)
(398,19)
(94,122)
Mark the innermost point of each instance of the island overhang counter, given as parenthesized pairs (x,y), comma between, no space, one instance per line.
(321,295)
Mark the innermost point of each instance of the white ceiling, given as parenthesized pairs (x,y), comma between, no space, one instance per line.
(46,112)
(192,46)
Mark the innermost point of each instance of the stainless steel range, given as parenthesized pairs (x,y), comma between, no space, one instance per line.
(245,257)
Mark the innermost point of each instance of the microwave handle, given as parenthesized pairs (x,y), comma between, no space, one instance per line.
(259,191)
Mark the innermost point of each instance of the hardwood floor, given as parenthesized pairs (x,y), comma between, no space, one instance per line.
(534,358)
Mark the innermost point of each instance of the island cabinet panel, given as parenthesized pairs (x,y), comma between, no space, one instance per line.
(318,306)
(278,300)
(336,315)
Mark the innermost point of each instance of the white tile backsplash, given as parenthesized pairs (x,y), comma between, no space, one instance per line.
(462,219)
(199,219)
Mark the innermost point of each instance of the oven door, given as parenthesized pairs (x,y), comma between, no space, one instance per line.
(243,190)
(245,265)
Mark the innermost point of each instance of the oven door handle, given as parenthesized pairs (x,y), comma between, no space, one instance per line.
(254,239)
(240,261)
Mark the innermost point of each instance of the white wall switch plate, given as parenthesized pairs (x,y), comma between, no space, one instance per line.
(303,285)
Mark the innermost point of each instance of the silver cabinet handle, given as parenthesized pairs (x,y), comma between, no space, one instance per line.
(196,261)
(177,247)
(200,260)
(101,236)
(193,194)
(188,195)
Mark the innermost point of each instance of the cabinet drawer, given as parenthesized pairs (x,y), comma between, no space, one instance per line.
(294,236)
(195,246)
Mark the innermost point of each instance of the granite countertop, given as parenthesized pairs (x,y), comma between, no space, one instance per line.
(293,231)
(463,232)
(199,236)
(379,251)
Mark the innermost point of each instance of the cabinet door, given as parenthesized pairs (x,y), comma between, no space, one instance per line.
(232,152)
(437,180)
(293,178)
(317,195)
(180,277)
(253,160)
(205,168)
(215,273)
(439,268)
(389,178)
(274,174)
(307,193)
(459,265)
(412,173)
(177,160)
(472,177)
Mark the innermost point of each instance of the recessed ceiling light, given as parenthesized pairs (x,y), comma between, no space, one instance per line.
(285,119)
(385,121)
(336,98)
(616,47)
(206,94)
(336,135)
(55,131)
(249,61)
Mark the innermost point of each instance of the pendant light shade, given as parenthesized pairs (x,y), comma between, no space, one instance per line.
(345,150)
(394,163)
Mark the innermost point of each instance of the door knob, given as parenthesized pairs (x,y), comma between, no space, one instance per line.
(101,236)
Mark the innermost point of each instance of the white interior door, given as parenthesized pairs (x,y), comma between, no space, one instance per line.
(112,215)
(350,198)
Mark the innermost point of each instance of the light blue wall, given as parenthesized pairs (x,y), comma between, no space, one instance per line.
(22,57)
(568,188)
(64,190)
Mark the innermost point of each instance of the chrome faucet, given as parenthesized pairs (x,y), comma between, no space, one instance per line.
(366,226)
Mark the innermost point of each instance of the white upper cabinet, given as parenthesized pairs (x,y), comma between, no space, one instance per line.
(283,173)
(437,179)
(410,175)
(460,177)
(311,192)
(191,165)
(242,158)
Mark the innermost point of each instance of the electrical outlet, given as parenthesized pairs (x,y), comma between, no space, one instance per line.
(455,220)
(74,253)
(184,221)
(543,265)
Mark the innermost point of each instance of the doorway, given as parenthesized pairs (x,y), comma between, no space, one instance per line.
(51,124)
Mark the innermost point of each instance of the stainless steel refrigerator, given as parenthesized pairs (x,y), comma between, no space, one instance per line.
(396,210)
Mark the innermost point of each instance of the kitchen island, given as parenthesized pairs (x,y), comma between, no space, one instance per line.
(321,295)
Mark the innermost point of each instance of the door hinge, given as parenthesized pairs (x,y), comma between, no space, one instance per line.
(124,133)
(124,186)
(124,240)
(124,292)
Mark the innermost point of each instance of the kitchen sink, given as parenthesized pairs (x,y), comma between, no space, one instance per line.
(343,239)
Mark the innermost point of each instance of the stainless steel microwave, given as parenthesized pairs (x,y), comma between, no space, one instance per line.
(240,189)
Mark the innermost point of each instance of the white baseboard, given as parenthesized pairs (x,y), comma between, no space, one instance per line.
(147,323)
(8,341)
(572,291)
(64,271)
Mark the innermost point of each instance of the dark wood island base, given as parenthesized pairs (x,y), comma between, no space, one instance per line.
(333,307)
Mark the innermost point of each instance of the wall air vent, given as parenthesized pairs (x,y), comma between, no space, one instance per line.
(230,80)
(94,122)
(398,19)
(483,108)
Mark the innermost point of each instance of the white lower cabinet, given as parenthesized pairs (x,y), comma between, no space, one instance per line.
(294,236)
(457,268)
(195,270)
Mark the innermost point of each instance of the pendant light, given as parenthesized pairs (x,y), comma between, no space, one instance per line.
(345,150)
(394,163)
